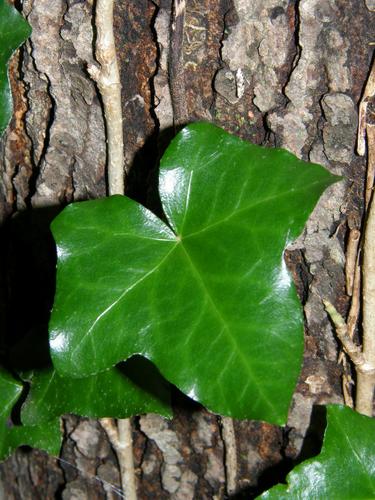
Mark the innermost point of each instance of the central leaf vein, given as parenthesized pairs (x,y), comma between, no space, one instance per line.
(226,329)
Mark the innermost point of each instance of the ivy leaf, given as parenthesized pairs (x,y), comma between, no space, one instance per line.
(207,298)
(116,393)
(46,437)
(14,30)
(345,467)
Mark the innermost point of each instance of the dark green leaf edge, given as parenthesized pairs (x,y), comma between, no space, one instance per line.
(46,437)
(117,393)
(345,467)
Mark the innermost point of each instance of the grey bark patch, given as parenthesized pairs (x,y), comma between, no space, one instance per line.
(339,131)
(259,46)
(72,166)
(157,429)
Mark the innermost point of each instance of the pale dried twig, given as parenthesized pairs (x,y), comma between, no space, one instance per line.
(355,305)
(351,258)
(353,350)
(120,437)
(370,134)
(109,425)
(353,279)
(363,361)
(230,450)
(107,77)
(362,358)
(126,460)
(366,380)
(362,119)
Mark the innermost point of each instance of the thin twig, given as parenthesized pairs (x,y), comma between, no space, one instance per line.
(355,305)
(352,277)
(109,425)
(106,75)
(230,450)
(366,381)
(347,381)
(362,118)
(362,360)
(351,259)
(353,350)
(125,458)
(120,437)
(370,134)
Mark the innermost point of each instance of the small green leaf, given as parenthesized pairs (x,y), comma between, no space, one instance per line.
(46,437)
(14,30)
(210,301)
(345,467)
(114,393)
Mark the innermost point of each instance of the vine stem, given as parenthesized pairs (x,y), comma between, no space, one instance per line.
(107,76)
(366,378)
(120,437)
(126,460)
(353,350)
(353,290)
(362,357)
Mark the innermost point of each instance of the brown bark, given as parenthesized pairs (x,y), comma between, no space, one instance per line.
(276,72)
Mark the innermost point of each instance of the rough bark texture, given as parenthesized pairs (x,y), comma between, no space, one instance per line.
(277,72)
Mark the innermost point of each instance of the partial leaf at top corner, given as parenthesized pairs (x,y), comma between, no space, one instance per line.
(345,468)
(46,437)
(207,298)
(14,30)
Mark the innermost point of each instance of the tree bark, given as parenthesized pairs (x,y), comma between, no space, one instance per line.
(277,72)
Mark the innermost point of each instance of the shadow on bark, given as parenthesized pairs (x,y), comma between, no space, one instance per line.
(29,279)
(276,474)
(28,275)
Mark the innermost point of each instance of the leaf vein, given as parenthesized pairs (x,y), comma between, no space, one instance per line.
(227,331)
(119,298)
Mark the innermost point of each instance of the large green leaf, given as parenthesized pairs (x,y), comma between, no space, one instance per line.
(14,30)
(114,393)
(208,300)
(46,437)
(345,468)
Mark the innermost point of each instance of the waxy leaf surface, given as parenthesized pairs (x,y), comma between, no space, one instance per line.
(345,468)
(14,30)
(207,298)
(114,393)
(46,437)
